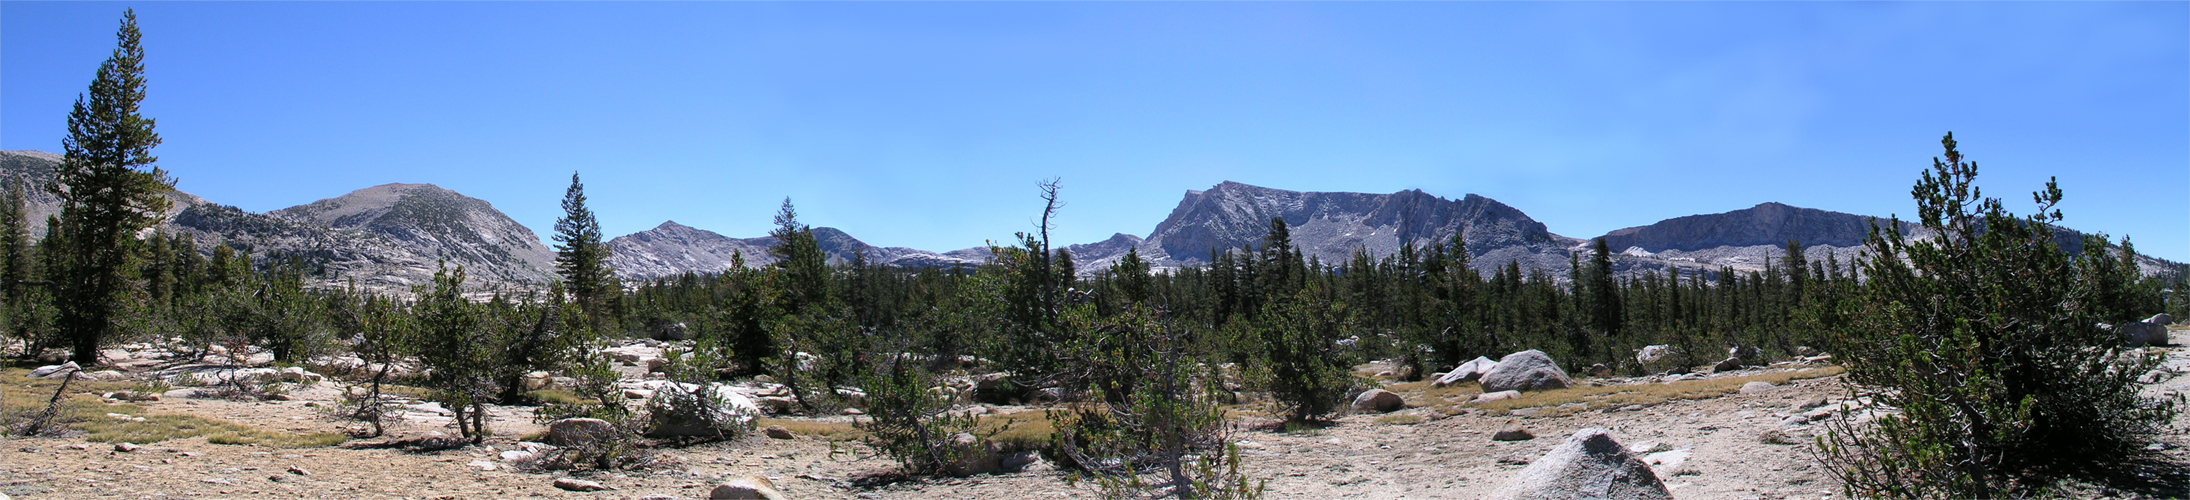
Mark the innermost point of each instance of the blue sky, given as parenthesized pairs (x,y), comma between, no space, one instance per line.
(928,124)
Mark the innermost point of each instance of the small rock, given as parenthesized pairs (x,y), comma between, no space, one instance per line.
(1758,387)
(218,480)
(1599,370)
(778,432)
(1776,436)
(1810,403)
(854,411)
(1730,364)
(516,456)
(1497,396)
(125,447)
(1512,433)
(578,485)
(482,465)
(749,487)
(299,471)
(1379,401)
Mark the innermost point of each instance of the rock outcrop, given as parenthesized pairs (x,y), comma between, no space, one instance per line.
(1529,370)
(1589,465)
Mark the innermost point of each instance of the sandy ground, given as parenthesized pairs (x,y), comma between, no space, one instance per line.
(1357,458)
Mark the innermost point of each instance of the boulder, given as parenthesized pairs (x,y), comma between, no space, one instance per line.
(672,331)
(749,487)
(2162,319)
(2142,333)
(1652,354)
(1727,365)
(975,456)
(1378,401)
(778,432)
(298,375)
(1758,387)
(1599,370)
(1467,372)
(578,485)
(1529,370)
(1751,353)
(1591,465)
(1496,396)
(534,381)
(48,371)
(578,431)
(1776,436)
(683,410)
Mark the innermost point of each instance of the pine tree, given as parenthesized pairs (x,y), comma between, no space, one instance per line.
(582,259)
(109,190)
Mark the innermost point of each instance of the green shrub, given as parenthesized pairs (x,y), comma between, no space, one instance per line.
(1979,349)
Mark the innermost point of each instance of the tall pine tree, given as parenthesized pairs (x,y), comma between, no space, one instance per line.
(582,259)
(109,190)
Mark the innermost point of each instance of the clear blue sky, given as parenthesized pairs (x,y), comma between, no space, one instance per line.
(928,124)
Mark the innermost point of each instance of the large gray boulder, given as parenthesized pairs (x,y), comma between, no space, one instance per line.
(2162,319)
(1467,372)
(1589,465)
(579,431)
(2142,333)
(1529,370)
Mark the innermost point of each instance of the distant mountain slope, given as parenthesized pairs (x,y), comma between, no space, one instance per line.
(672,249)
(435,224)
(1331,226)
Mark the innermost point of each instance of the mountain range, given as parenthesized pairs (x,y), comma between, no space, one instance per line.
(394,236)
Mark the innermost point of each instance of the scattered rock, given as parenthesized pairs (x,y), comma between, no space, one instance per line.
(1497,396)
(1512,433)
(2141,333)
(778,432)
(1467,372)
(574,431)
(750,487)
(299,471)
(715,410)
(1810,403)
(1776,436)
(481,465)
(2161,319)
(48,370)
(1652,354)
(1529,370)
(1379,401)
(1758,387)
(516,456)
(125,447)
(1599,370)
(975,456)
(1589,465)
(578,485)
(854,412)
(1666,460)
(1727,365)
(298,375)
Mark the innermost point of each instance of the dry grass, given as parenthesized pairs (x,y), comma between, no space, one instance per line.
(559,396)
(1400,419)
(1425,395)
(1599,397)
(82,412)
(1027,430)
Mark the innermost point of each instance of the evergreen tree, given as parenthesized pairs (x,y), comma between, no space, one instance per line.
(109,190)
(581,257)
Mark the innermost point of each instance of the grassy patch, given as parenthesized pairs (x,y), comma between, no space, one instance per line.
(833,431)
(1423,394)
(82,412)
(559,396)
(1598,397)
(1027,430)
(1400,419)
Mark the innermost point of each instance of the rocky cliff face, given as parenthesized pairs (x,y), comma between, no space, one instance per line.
(1331,226)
